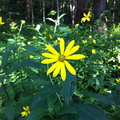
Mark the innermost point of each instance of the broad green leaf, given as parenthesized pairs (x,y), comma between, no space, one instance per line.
(67,109)
(94,58)
(30,64)
(105,98)
(69,86)
(9,109)
(89,112)
(36,114)
(64,29)
(45,92)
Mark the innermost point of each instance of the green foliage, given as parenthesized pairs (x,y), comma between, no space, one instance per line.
(91,94)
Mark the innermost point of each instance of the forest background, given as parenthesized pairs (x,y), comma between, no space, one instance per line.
(85,89)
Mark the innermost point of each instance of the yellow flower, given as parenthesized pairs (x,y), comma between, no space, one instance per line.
(90,36)
(118,67)
(26,111)
(1,21)
(3,32)
(23,44)
(50,36)
(28,43)
(84,41)
(86,17)
(111,35)
(94,41)
(61,58)
(118,80)
(93,51)
(31,56)
(76,25)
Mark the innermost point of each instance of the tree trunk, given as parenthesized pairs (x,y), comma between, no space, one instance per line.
(99,6)
(58,12)
(73,7)
(43,11)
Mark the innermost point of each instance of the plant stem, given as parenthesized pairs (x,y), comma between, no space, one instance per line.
(5,90)
(56,93)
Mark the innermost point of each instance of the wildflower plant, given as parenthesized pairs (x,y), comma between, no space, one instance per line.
(86,17)
(1,22)
(61,58)
(26,111)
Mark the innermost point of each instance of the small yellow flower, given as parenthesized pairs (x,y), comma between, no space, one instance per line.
(111,35)
(93,51)
(3,32)
(60,59)
(76,25)
(34,37)
(84,41)
(86,17)
(118,80)
(31,56)
(26,111)
(90,36)
(50,36)
(1,21)
(118,67)
(94,41)
(28,43)
(23,44)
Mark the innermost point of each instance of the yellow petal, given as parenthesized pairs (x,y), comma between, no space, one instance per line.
(52,50)
(48,55)
(70,68)
(52,68)
(57,69)
(0,19)
(27,108)
(63,71)
(23,113)
(69,46)
(84,14)
(88,19)
(47,61)
(62,46)
(75,57)
(73,50)
(24,108)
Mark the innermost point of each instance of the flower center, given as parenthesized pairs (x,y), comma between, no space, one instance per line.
(61,58)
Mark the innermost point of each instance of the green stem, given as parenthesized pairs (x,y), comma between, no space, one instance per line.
(53,84)
(5,90)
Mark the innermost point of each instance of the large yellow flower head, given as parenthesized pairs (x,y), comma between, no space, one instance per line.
(1,21)
(60,59)
(86,17)
(26,111)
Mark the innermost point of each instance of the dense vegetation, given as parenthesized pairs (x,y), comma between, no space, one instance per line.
(53,68)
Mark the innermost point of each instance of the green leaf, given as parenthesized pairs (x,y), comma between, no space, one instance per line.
(9,109)
(30,64)
(69,86)
(88,112)
(67,109)
(45,92)
(64,29)
(94,58)
(105,98)
(51,19)
(30,48)
(62,15)
(36,114)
